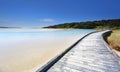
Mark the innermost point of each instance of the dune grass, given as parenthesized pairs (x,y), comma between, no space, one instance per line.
(114,40)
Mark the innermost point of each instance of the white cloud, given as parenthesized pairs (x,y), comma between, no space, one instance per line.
(47,20)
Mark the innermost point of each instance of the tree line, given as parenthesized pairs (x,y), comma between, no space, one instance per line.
(110,24)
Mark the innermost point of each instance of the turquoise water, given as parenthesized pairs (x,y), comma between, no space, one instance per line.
(22,50)
(18,35)
(25,34)
(44,32)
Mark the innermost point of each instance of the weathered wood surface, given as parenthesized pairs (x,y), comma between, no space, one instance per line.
(89,55)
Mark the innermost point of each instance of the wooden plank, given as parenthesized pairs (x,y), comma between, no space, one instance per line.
(89,55)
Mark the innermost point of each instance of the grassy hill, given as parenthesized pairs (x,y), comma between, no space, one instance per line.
(111,24)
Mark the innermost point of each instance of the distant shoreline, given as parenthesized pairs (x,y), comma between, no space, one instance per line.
(36,28)
(100,24)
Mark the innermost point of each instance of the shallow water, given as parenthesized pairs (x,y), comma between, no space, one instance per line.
(27,50)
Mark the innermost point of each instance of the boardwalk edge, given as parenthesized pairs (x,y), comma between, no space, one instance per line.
(48,65)
(105,41)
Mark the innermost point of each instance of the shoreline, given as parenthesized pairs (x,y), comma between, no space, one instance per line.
(40,28)
(32,64)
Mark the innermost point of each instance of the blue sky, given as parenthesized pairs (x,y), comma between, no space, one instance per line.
(40,13)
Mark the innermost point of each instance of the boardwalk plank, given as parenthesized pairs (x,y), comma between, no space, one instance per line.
(89,55)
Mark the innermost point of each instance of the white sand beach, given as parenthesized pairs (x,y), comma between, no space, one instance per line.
(30,54)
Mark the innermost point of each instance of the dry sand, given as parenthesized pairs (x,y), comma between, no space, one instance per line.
(117,52)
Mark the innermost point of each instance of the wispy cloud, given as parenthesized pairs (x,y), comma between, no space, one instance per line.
(47,20)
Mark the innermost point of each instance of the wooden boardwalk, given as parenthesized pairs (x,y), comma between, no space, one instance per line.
(90,55)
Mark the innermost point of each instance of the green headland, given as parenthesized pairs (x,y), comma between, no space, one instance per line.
(99,24)
(111,24)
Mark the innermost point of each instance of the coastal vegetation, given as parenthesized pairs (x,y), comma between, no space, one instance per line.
(114,40)
(100,24)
